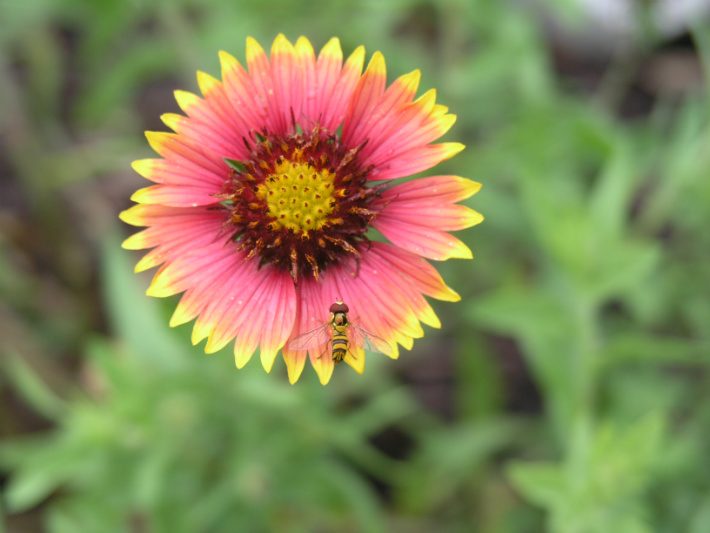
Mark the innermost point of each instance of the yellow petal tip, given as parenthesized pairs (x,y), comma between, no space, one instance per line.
(185,99)
(206,83)
(332,49)
(377,65)
(158,139)
(268,356)
(171,120)
(469,187)
(132,216)
(143,167)
(241,356)
(142,195)
(460,251)
(253,49)
(227,62)
(294,371)
(451,149)
(134,242)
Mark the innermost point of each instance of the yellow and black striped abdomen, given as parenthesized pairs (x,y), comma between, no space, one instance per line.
(340,343)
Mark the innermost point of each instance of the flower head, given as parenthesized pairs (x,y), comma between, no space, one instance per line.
(266,194)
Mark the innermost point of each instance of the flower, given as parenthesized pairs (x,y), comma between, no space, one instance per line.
(265,196)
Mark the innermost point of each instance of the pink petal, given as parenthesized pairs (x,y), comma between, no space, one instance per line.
(305,61)
(191,267)
(428,202)
(416,271)
(263,77)
(416,215)
(258,306)
(188,176)
(176,195)
(335,84)
(242,93)
(365,99)
(287,74)
(312,312)
(378,112)
(399,164)
(170,225)
(172,231)
(421,239)
(182,151)
(407,126)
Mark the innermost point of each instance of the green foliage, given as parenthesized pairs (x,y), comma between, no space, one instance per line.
(575,370)
(601,483)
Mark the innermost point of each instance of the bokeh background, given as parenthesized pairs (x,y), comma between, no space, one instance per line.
(568,392)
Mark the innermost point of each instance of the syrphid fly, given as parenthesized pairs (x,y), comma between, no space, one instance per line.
(340,335)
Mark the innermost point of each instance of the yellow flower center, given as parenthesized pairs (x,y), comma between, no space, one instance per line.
(298,197)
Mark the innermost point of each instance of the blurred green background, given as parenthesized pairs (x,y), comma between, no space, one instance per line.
(568,392)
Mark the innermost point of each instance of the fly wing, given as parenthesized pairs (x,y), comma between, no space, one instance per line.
(362,338)
(311,339)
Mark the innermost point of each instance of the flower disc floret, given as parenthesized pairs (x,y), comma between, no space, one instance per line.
(300,202)
(298,197)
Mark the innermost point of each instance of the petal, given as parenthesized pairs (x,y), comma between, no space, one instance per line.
(438,189)
(258,306)
(295,362)
(262,76)
(188,176)
(231,297)
(192,267)
(366,97)
(421,239)
(335,84)
(172,231)
(312,312)
(411,125)
(355,358)
(211,122)
(414,160)
(416,214)
(171,172)
(242,93)
(305,60)
(181,151)
(408,291)
(287,74)
(377,111)
(175,196)
(416,271)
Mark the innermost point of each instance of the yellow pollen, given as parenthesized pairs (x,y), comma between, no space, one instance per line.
(293,204)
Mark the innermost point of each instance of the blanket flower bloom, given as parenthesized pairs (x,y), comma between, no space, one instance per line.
(266,192)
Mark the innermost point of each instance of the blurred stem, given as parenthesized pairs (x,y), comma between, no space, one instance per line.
(626,60)
(622,70)
(28,152)
(452,38)
(585,369)
(24,148)
(179,32)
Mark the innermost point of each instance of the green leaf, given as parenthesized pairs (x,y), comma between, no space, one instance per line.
(600,484)
(35,391)
(542,483)
(234,164)
(134,317)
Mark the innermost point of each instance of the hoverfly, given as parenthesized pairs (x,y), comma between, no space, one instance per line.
(339,335)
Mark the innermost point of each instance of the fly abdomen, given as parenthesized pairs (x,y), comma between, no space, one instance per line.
(340,347)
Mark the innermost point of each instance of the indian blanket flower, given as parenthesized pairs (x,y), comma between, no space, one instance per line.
(266,193)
